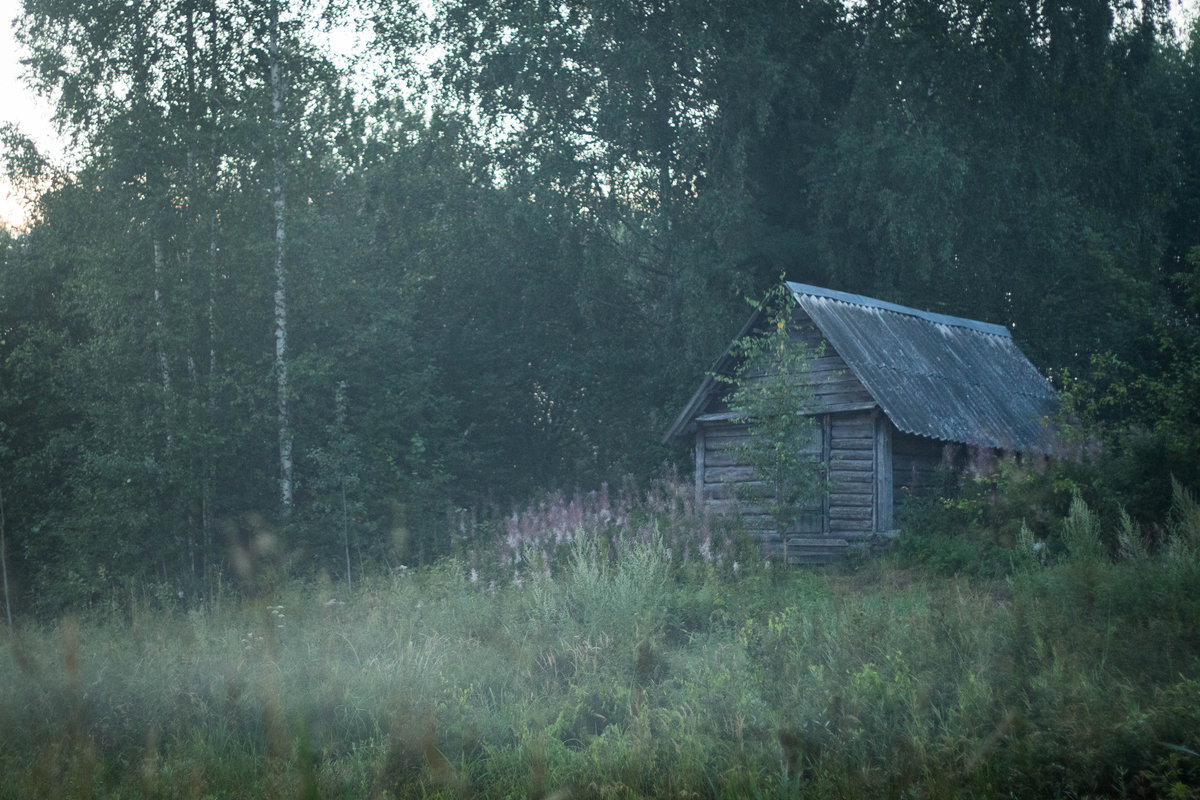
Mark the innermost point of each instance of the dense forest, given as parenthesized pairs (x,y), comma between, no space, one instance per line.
(351,296)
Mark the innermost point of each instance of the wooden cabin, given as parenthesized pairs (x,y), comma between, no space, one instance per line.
(895,391)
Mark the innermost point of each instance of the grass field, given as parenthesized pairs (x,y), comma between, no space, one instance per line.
(633,652)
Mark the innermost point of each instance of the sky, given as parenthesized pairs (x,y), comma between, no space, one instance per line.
(21,107)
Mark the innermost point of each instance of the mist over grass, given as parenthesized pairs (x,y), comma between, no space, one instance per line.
(588,648)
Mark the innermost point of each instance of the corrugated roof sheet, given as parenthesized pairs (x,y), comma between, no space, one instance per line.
(947,378)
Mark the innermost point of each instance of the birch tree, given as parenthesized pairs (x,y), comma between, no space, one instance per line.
(279,207)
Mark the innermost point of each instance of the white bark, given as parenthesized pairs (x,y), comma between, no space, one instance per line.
(164,366)
(280,207)
(4,564)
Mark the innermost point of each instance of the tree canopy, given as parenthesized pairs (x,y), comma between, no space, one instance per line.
(292,297)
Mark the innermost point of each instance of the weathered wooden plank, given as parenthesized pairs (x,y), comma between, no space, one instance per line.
(822,365)
(720,415)
(845,526)
(802,540)
(824,551)
(808,523)
(854,431)
(846,437)
(746,492)
(883,475)
(717,433)
(826,455)
(840,442)
(854,406)
(848,479)
(728,457)
(837,395)
(856,474)
(850,512)
(854,421)
(730,474)
(718,443)
(747,510)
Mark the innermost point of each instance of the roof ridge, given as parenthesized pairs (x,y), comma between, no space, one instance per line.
(883,305)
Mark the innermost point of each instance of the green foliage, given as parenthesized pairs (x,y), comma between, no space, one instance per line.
(1073,676)
(970,524)
(1141,420)
(519,266)
(770,391)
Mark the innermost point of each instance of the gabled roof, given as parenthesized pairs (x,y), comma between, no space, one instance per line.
(947,378)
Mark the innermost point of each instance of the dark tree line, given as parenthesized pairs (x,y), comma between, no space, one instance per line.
(288,293)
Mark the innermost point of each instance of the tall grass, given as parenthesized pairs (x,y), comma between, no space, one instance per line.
(613,649)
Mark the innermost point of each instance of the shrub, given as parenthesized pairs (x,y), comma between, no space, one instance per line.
(618,668)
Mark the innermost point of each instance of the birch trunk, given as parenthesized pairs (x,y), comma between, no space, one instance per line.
(164,366)
(4,565)
(212,87)
(280,207)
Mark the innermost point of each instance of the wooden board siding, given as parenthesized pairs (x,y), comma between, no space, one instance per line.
(849,445)
(916,465)
(726,484)
(852,475)
(847,513)
(883,474)
(834,386)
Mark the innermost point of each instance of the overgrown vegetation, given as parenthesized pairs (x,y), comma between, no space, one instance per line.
(767,389)
(281,289)
(273,349)
(613,648)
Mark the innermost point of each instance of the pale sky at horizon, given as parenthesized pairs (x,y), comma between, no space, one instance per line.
(19,106)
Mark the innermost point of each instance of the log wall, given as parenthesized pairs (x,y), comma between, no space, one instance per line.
(869,467)
(845,514)
(917,466)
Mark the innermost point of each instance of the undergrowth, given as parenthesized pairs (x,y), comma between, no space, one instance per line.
(632,649)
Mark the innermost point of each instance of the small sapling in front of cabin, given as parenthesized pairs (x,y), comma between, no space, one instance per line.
(769,392)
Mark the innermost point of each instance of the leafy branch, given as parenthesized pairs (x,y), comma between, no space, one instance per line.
(772,393)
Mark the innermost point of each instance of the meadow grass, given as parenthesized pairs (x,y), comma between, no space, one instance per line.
(632,649)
